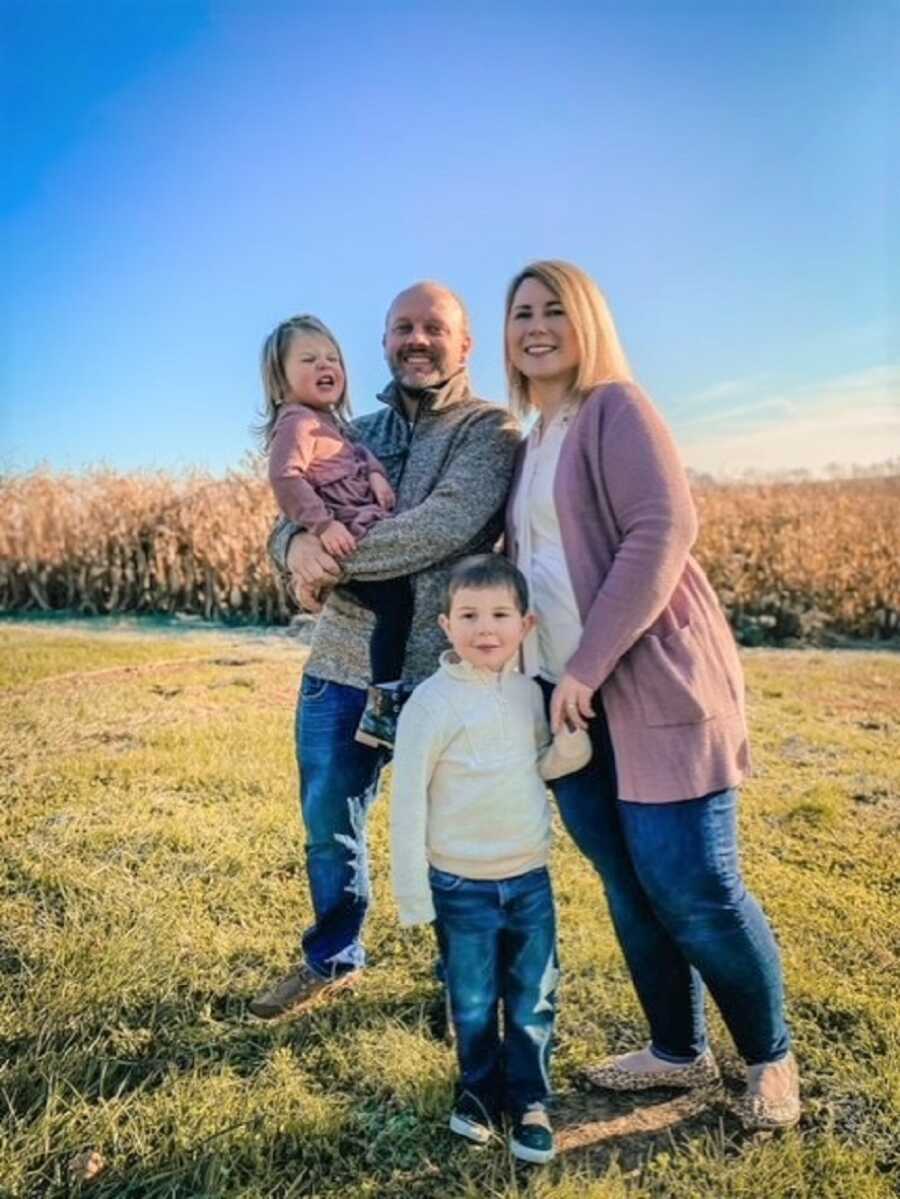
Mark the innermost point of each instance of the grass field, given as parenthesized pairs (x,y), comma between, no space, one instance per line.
(151,877)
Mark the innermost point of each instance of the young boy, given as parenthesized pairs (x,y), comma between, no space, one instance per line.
(470,839)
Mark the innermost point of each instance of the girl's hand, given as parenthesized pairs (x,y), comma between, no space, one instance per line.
(571,704)
(338,540)
(383,492)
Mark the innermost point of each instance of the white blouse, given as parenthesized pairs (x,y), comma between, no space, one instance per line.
(548,648)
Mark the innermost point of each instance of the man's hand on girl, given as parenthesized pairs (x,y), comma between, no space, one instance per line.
(570,704)
(310,563)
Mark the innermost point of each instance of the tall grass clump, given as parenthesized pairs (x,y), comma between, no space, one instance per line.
(790,561)
(107,542)
(799,560)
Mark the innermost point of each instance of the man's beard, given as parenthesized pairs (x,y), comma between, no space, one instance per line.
(411,379)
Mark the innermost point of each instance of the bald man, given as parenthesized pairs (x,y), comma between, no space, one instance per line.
(449,458)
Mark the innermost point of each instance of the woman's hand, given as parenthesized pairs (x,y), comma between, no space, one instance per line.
(383,492)
(571,704)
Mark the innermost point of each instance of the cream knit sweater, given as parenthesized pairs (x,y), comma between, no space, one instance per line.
(472,749)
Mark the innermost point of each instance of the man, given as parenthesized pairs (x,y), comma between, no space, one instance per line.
(449,458)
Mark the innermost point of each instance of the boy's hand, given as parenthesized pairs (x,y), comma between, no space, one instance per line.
(338,540)
(383,492)
(571,704)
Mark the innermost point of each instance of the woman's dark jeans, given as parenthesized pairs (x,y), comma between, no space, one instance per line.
(498,944)
(681,912)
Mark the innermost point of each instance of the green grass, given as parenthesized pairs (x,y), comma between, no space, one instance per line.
(151,874)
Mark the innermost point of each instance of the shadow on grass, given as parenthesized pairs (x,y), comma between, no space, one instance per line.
(389,1152)
(168,625)
(140,1047)
(397,1152)
(134,1048)
(593,1127)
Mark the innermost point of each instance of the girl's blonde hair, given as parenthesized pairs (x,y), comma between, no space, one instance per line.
(601,358)
(276,390)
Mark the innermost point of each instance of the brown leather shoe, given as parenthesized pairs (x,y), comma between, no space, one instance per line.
(772,1098)
(298,991)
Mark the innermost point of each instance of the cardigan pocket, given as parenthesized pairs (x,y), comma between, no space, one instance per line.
(678,680)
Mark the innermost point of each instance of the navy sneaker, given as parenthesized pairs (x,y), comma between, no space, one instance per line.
(471,1119)
(531,1137)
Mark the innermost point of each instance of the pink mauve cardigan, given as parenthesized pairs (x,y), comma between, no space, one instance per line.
(654,640)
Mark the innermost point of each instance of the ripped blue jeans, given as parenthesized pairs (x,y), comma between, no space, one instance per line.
(338,782)
(498,944)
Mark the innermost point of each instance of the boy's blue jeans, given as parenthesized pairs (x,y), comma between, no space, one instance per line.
(679,906)
(498,943)
(338,782)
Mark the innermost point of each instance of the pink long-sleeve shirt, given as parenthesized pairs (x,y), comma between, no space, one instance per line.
(654,639)
(318,475)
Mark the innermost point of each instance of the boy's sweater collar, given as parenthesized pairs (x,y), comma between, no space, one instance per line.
(458,669)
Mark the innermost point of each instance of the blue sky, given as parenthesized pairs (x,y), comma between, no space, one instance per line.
(181,175)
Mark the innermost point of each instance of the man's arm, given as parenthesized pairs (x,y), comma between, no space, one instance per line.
(310,568)
(470,492)
(279,540)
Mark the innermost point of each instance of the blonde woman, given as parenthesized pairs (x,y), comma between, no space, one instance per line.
(632,645)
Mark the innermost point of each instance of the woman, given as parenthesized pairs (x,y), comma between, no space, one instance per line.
(631,643)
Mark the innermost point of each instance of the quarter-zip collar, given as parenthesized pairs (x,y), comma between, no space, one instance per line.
(430,399)
(458,669)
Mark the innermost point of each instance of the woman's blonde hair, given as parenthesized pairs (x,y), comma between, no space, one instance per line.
(601,358)
(276,389)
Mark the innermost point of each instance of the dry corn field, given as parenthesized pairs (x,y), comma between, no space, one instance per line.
(803,561)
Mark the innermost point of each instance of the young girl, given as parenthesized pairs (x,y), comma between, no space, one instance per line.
(333,487)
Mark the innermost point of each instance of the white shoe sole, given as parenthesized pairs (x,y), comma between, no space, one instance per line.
(537,1157)
(372,742)
(478,1134)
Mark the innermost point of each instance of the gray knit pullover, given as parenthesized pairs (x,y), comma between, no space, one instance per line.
(451,469)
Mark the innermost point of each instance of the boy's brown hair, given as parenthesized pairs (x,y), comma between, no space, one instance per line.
(487,570)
